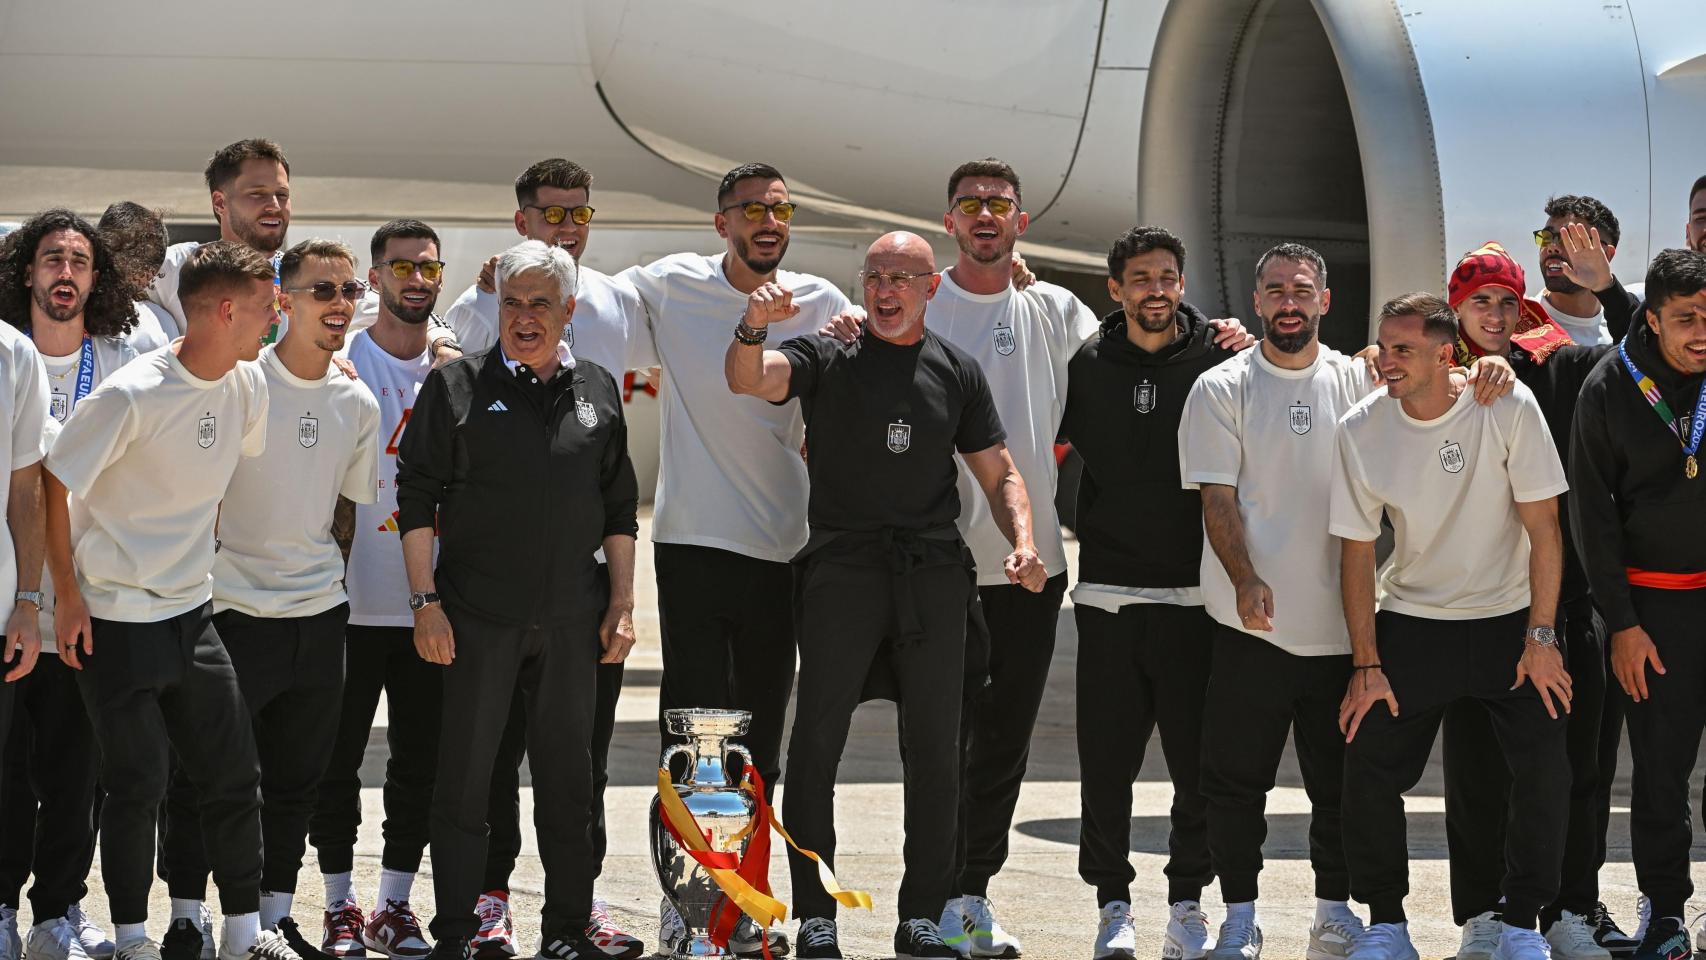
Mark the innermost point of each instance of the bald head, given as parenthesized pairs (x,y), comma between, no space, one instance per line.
(900,277)
(902,251)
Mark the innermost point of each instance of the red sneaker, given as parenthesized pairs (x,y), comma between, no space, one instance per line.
(343,925)
(395,931)
(608,937)
(496,939)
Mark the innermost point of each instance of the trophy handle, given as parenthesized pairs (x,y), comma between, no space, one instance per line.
(676,750)
(745,755)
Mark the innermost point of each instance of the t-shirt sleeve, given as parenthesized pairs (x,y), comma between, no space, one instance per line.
(29,408)
(254,410)
(99,431)
(806,359)
(642,337)
(980,424)
(1210,450)
(469,318)
(361,475)
(1353,511)
(1535,469)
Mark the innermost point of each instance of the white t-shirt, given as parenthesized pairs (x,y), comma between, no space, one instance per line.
(1269,432)
(277,557)
(24,433)
(730,474)
(147,458)
(164,290)
(377,582)
(1023,342)
(1450,487)
(110,353)
(608,315)
(1587,331)
(151,327)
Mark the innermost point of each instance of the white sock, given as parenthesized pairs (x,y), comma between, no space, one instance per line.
(274,907)
(186,910)
(1326,910)
(240,933)
(393,885)
(1244,911)
(339,887)
(124,933)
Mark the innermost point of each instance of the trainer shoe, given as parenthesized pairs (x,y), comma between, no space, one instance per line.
(54,940)
(11,947)
(952,926)
(817,940)
(1116,935)
(1187,931)
(451,948)
(1608,934)
(1334,938)
(187,939)
(137,950)
(292,935)
(395,931)
(1385,941)
(1239,939)
(1480,937)
(1521,943)
(569,946)
(987,937)
(745,942)
(89,933)
(271,945)
(1571,938)
(495,939)
(1643,916)
(672,930)
(343,923)
(1666,939)
(920,940)
(603,933)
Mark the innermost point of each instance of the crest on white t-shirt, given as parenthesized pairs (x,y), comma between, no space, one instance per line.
(1451,458)
(1004,342)
(307,431)
(900,437)
(1143,397)
(59,406)
(204,432)
(1300,418)
(569,335)
(585,413)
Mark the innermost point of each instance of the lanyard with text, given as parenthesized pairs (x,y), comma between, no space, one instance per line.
(85,374)
(1696,424)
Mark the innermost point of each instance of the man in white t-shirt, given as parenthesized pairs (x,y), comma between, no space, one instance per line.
(391,359)
(1466,609)
(1574,306)
(63,288)
(147,458)
(552,206)
(136,238)
(278,596)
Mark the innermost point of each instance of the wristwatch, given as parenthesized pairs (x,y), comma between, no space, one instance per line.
(33,596)
(418,601)
(1540,637)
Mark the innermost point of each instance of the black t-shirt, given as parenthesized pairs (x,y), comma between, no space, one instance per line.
(882,425)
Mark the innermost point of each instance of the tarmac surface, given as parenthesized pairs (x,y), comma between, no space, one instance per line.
(1038,896)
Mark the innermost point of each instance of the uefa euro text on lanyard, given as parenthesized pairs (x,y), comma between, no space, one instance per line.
(1696,424)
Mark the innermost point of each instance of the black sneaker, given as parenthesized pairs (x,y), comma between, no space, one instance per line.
(816,940)
(183,941)
(1608,934)
(450,948)
(920,940)
(1666,939)
(570,946)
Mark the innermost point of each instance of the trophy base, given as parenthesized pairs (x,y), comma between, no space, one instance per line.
(696,947)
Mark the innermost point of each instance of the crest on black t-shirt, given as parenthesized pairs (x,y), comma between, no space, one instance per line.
(569,335)
(1143,397)
(1004,342)
(1451,458)
(204,431)
(307,431)
(586,414)
(900,437)
(1300,418)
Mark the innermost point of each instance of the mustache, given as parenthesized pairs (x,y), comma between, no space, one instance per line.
(1290,315)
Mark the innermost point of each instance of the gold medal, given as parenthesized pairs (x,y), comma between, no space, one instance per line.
(1691,467)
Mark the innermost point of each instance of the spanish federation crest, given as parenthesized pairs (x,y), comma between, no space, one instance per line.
(1300,418)
(900,437)
(1004,342)
(569,335)
(204,431)
(586,414)
(1451,458)
(1143,397)
(307,430)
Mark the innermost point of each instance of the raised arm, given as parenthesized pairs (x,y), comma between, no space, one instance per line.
(750,369)
(1010,504)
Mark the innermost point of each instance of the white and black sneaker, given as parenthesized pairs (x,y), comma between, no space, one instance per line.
(817,940)
(987,937)
(89,933)
(1333,938)
(672,930)
(570,946)
(54,940)
(919,939)
(188,939)
(748,939)
(271,945)
(1116,935)
(1186,937)
(1571,937)
(952,926)
(1240,938)
(1481,937)
(1609,935)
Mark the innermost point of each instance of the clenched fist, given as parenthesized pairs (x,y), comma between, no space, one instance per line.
(770,303)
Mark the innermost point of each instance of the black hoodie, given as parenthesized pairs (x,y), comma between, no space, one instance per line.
(1136,526)
(1631,504)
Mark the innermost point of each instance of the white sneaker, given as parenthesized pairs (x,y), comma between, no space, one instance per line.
(54,940)
(1187,932)
(1643,916)
(1116,935)
(1334,938)
(1385,941)
(11,947)
(1518,943)
(1239,939)
(1571,938)
(93,938)
(672,930)
(1481,937)
(987,937)
(952,926)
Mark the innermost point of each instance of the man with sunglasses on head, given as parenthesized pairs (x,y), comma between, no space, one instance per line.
(278,594)
(1572,305)
(392,360)
(730,510)
(551,199)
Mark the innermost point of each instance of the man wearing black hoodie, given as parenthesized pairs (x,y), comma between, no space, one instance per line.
(1640,500)
(1143,637)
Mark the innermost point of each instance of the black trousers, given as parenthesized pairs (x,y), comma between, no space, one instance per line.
(1258,693)
(47,795)
(1610,742)
(151,690)
(727,622)
(1664,739)
(555,670)
(998,720)
(381,659)
(1430,664)
(1142,668)
(1478,784)
(846,611)
(291,671)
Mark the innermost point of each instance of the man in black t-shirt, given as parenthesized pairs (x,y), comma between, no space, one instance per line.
(885,580)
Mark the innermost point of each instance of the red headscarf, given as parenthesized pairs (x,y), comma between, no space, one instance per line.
(1490,266)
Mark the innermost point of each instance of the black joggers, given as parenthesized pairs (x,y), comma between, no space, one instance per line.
(47,797)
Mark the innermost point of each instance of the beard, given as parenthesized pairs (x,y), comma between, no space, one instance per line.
(414,316)
(1003,249)
(250,232)
(1149,324)
(1558,283)
(743,250)
(1291,342)
(55,311)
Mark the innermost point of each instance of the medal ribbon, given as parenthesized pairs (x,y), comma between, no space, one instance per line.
(1650,390)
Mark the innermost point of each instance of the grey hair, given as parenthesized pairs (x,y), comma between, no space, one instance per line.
(530,255)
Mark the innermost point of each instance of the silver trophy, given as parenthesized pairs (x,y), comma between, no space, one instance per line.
(722,811)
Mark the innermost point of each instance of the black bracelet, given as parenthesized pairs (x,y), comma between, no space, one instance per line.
(1367,666)
(750,336)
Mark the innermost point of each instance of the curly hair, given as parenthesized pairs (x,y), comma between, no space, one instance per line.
(136,237)
(107,313)
(1588,211)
